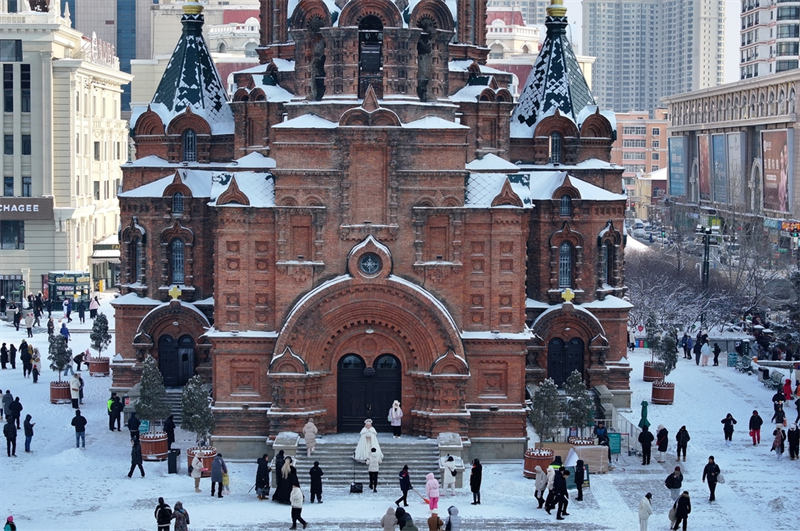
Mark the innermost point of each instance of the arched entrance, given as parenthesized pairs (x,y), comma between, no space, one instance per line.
(367,392)
(176,359)
(563,358)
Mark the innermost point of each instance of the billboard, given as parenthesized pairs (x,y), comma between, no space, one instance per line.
(677,165)
(736,168)
(719,168)
(704,166)
(776,163)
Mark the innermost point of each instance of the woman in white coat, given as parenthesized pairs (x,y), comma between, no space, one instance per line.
(368,441)
(197,472)
(448,476)
(540,484)
(645,511)
(396,419)
(310,435)
(75,390)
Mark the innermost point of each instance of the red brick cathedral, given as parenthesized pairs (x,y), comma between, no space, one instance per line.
(368,216)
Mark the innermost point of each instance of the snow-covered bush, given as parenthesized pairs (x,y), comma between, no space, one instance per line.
(197,415)
(152,403)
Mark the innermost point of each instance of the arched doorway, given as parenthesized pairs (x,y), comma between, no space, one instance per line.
(367,392)
(370,55)
(563,358)
(176,359)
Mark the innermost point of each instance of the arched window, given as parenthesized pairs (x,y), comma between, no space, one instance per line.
(190,146)
(566,205)
(607,264)
(565,265)
(177,203)
(555,148)
(177,261)
(136,260)
(370,55)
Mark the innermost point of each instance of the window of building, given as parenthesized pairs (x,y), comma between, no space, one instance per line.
(78,186)
(634,143)
(25,86)
(788,31)
(565,265)
(12,234)
(177,203)
(97,190)
(177,261)
(788,48)
(656,144)
(8,144)
(633,155)
(781,66)
(136,259)
(26,144)
(655,156)
(97,151)
(555,148)
(10,50)
(634,130)
(8,88)
(190,146)
(106,193)
(654,167)
(8,186)
(656,131)
(566,205)
(26,187)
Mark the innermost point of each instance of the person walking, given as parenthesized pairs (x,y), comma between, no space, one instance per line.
(645,511)
(475,478)
(562,496)
(35,365)
(10,525)
(646,440)
(682,438)
(432,491)
(16,411)
(51,327)
(79,422)
(181,517)
(12,356)
(17,316)
(449,475)
(453,519)
(711,472)
(778,441)
(278,463)
(262,477)
(717,351)
(3,356)
(10,433)
(580,474)
(133,426)
(116,414)
(674,482)
(169,428)
(405,486)
(64,331)
(396,419)
(94,305)
(218,468)
(373,467)
(136,457)
(3,305)
(727,428)
(310,435)
(67,309)
(549,502)
(316,474)
(389,520)
(686,345)
(197,472)
(435,523)
(698,345)
(662,442)
(540,485)
(28,426)
(755,427)
(683,507)
(793,436)
(779,417)
(25,357)
(296,500)
(163,514)
(75,390)
(705,353)
(8,399)
(81,312)
(29,323)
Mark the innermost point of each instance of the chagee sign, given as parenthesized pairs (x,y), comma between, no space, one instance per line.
(26,208)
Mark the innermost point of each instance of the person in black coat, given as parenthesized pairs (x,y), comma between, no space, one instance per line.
(711,472)
(16,410)
(3,356)
(25,358)
(133,426)
(82,311)
(717,351)
(163,514)
(28,425)
(402,517)
(136,457)
(646,440)
(662,441)
(793,436)
(277,464)
(405,486)
(10,433)
(562,496)
(580,475)
(288,475)
(683,507)
(169,427)
(777,418)
(116,413)
(682,438)
(12,355)
(316,474)
(475,478)
(727,428)
(262,477)
(755,427)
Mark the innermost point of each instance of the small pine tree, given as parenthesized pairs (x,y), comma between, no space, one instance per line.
(580,404)
(100,337)
(59,354)
(666,350)
(152,404)
(197,415)
(545,409)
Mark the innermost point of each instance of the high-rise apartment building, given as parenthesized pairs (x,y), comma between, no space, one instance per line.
(533,11)
(63,143)
(641,145)
(648,49)
(770,37)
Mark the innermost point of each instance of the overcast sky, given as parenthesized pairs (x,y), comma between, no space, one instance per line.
(574,13)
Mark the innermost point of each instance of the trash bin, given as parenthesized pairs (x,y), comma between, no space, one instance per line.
(733,359)
(173,461)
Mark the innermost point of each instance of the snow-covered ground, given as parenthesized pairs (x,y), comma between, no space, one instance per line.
(61,487)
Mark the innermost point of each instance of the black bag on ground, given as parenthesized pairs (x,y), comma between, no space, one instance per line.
(356,488)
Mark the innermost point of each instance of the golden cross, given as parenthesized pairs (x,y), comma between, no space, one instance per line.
(568,295)
(175,292)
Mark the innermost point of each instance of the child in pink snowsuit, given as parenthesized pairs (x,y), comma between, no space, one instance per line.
(432,491)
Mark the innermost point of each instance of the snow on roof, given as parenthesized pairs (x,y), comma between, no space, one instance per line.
(133,299)
(307,121)
(212,332)
(490,161)
(610,302)
(482,188)
(284,65)
(275,93)
(577,307)
(255,160)
(544,184)
(188,305)
(150,160)
(486,334)
(588,164)
(258,69)
(462,65)
(469,93)
(433,122)
(591,109)
(533,303)
(198,181)
(257,186)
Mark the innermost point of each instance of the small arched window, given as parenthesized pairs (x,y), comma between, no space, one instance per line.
(136,260)
(177,203)
(555,148)
(607,264)
(177,261)
(566,205)
(565,265)
(190,146)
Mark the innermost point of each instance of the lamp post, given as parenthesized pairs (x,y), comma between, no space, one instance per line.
(706,244)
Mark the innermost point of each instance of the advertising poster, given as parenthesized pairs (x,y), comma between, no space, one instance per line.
(736,169)
(776,162)
(704,166)
(677,165)
(719,168)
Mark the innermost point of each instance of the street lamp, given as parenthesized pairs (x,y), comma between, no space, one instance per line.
(706,244)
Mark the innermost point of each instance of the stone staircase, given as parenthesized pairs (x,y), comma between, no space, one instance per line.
(335,456)
(174,401)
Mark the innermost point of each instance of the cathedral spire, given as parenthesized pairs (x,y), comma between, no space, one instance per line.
(556,81)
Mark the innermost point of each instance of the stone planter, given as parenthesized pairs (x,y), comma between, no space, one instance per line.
(650,373)
(59,393)
(663,393)
(578,441)
(154,446)
(99,366)
(540,456)
(206,454)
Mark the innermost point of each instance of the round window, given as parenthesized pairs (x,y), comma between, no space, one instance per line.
(369,263)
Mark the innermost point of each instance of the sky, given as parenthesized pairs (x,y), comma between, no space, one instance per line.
(574,13)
